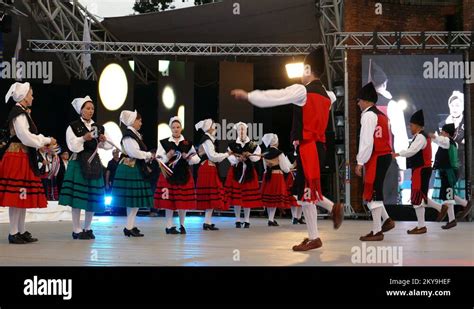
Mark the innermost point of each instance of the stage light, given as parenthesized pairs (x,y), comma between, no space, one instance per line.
(168,97)
(402,104)
(108,200)
(339,91)
(131,63)
(163,66)
(181,115)
(294,70)
(115,135)
(113,87)
(164,131)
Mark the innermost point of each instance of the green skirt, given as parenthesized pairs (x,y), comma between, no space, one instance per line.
(130,189)
(78,192)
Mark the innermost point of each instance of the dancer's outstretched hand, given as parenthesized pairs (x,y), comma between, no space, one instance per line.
(239,94)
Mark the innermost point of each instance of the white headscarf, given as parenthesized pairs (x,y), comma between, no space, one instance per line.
(173,119)
(77,103)
(239,124)
(270,139)
(456,95)
(18,91)
(128,117)
(204,125)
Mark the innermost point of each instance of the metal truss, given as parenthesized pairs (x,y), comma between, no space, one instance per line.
(403,40)
(170,49)
(331,21)
(64,21)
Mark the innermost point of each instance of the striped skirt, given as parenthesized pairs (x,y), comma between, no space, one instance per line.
(130,189)
(81,193)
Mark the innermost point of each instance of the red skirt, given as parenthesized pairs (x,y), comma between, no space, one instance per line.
(174,197)
(275,192)
(290,179)
(19,186)
(209,190)
(246,194)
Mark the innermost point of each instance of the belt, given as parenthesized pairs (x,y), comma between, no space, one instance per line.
(16,147)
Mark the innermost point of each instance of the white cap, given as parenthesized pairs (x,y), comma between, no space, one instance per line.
(18,91)
(77,103)
(270,139)
(204,125)
(240,124)
(173,119)
(128,117)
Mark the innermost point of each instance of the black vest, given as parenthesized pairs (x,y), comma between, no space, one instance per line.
(417,160)
(442,160)
(92,170)
(271,154)
(32,154)
(144,168)
(239,149)
(204,156)
(181,171)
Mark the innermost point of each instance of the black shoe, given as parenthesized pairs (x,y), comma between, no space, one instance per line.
(90,233)
(182,230)
(273,223)
(238,225)
(246,225)
(132,232)
(209,227)
(28,237)
(137,231)
(295,221)
(172,230)
(81,235)
(16,239)
(301,221)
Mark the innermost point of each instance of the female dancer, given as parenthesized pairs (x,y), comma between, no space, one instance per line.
(176,192)
(209,190)
(275,193)
(83,185)
(20,186)
(242,188)
(131,189)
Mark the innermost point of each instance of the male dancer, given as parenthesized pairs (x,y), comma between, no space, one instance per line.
(375,156)
(311,108)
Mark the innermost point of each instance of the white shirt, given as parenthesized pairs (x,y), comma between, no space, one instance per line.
(233,159)
(398,128)
(132,149)
(210,150)
(161,151)
(76,144)
(442,141)
(22,131)
(418,143)
(368,122)
(294,94)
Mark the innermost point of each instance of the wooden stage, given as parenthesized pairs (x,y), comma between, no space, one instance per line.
(258,246)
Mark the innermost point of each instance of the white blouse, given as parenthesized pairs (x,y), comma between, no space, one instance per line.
(76,144)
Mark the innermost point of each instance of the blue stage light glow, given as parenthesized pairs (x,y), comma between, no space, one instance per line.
(108,200)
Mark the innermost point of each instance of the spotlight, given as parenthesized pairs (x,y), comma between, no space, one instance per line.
(131,63)
(294,70)
(402,104)
(168,97)
(164,131)
(115,134)
(113,87)
(181,115)
(163,66)
(108,200)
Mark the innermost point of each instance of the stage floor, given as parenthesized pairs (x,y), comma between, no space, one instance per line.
(258,246)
